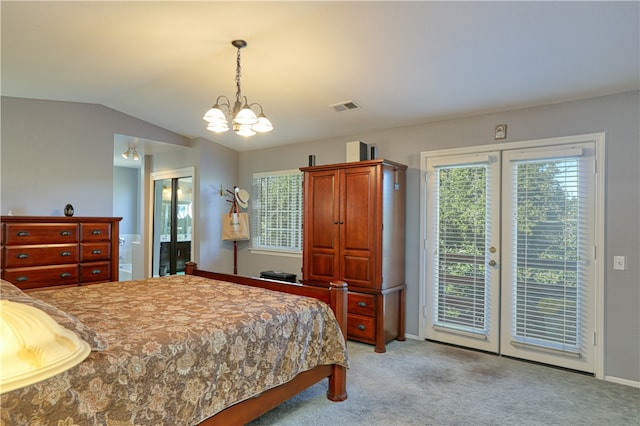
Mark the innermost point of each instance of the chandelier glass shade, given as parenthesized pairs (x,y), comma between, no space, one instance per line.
(243,119)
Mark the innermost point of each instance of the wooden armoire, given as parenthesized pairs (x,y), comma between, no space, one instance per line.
(354,231)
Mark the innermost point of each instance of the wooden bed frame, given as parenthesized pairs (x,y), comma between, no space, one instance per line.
(336,297)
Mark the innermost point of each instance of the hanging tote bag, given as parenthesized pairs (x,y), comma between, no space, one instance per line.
(235,226)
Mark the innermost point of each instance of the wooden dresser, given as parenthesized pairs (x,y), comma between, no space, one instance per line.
(50,251)
(354,231)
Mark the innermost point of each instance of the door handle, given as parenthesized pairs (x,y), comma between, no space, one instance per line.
(492,262)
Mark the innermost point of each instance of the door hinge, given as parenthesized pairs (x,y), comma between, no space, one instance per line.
(595,340)
(425,311)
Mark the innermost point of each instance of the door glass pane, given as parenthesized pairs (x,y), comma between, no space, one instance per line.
(172,225)
(184,220)
(161,225)
(546,232)
(462,206)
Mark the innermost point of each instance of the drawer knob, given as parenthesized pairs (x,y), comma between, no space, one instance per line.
(22,233)
(362,304)
(65,275)
(22,256)
(65,233)
(96,251)
(96,232)
(65,253)
(361,327)
(96,272)
(22,278)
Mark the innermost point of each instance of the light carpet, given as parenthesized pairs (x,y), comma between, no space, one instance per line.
(426,383)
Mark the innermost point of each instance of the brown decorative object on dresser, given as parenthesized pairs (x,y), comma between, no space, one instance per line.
(52,251)
(354,231)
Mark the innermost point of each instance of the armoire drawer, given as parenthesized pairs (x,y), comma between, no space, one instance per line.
(90,252)
(96,271)
(361,327)
(362,304)
(35,255)
(38,233)
(35,277)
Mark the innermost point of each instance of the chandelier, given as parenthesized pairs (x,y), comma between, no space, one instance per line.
(243,119)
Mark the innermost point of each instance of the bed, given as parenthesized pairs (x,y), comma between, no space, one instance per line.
(201,348)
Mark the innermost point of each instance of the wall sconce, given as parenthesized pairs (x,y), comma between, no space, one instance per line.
(129,152)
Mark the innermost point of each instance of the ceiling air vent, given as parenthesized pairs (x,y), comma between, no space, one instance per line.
(345,106)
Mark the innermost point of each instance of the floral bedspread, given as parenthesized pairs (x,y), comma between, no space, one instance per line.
(178,350)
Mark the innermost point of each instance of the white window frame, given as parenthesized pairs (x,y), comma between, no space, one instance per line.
(257,214)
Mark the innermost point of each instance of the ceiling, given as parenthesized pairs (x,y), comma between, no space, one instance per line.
(403,62)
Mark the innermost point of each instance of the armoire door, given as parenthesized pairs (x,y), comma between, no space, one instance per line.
(358,225)
(321,227)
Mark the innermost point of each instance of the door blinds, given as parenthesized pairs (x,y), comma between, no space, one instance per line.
(548,219)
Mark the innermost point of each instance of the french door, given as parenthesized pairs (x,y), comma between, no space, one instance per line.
(510,252)
(172,221)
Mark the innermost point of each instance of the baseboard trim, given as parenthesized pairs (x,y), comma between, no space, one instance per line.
(622,381)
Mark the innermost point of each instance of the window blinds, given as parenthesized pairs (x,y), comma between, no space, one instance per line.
(462,294)
(547,225)
(277,211)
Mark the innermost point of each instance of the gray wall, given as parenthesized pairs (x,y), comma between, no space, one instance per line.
(54,153)
(66,155)
(617,115)
(126,198)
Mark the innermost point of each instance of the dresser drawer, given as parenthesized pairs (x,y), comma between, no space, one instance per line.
(52,254)
(90,252)
(95,232)
(35,277)
(362,304)
(361,327)
(36,233)
(96,271)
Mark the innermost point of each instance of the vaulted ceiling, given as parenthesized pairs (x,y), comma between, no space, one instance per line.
(403,63)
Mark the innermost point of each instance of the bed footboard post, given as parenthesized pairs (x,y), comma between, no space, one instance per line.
(339,304)
(338,380)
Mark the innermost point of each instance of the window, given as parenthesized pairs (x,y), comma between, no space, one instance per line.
(277,211)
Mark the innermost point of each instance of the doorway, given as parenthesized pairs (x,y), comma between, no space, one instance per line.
(509,264)
(173,223)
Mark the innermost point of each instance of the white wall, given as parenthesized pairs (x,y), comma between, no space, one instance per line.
(617,115)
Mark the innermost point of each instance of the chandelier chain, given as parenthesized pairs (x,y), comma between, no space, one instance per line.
(238,75)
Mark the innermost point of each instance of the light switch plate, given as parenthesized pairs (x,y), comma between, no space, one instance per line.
(619,262)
